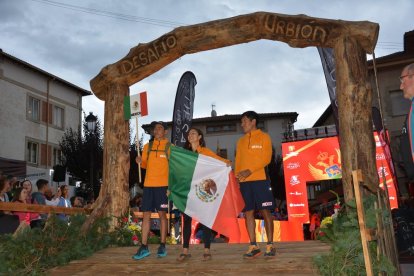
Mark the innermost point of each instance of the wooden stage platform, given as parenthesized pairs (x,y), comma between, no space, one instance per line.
(293,258)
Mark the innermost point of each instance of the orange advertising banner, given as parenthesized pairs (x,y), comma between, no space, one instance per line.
(385,171)
(282,231)
(320,159)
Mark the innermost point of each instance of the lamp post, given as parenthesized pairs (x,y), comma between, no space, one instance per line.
(91,126)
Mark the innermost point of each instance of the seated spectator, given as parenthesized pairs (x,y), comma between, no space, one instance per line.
(8,221)
(40,198)
(76,201)
(20,196)
(17,184)
(64,202)
(4,187)
(27,185)
(90,203)
(81,200)
(136,202)
(276,214)
(12,184)
(52,199)
(283,214)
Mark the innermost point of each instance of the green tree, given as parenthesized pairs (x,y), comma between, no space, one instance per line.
(79,148)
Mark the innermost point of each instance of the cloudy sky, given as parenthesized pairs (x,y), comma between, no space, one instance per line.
(75,39)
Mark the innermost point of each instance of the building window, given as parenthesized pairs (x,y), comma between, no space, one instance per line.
(32,152)
(57,156)
(399,105)
(57,117)
(46,155)
(221,128)
(33,109)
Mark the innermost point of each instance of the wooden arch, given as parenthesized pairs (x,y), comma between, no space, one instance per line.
(351,42)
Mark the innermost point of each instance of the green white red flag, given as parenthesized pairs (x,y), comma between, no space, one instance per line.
(135,105)
(205,189)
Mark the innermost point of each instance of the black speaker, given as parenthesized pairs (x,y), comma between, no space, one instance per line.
(59,173)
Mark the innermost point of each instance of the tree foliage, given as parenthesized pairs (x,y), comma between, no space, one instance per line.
(34,251)
(79,148)
(80,151)
(346,256)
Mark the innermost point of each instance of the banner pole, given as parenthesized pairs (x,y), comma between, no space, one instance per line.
(137,147)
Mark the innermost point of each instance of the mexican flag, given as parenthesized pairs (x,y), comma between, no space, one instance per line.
(205,189)
(135,105)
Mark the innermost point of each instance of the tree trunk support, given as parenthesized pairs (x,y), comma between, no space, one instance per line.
(113,200)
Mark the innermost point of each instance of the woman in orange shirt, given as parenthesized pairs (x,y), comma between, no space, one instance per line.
(195,142)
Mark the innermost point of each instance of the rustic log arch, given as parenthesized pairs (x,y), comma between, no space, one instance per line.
(350,41)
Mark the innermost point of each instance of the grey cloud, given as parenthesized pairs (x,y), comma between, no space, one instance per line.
(267,76)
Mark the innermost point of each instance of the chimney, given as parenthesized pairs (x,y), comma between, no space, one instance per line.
(213,112)
(409,41)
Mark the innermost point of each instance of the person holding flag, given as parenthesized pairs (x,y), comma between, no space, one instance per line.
(155,160)
(253,154)
(196,143)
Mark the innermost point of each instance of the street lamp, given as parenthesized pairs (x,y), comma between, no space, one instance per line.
(91,126)
(91,121)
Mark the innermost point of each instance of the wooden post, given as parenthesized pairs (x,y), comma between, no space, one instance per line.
(357,178)
(114,195)
(354,96)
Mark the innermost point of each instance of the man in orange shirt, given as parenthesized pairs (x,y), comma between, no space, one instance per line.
(253,154)
(155,160)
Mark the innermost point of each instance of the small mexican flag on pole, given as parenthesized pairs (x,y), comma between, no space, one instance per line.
(135,105)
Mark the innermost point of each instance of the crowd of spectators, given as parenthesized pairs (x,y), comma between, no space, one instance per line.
(21,192)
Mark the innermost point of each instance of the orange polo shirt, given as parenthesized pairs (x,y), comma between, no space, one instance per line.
(253,152)
(156,164)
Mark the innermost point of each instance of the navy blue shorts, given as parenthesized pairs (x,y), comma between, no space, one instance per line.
(154,199)
(257,195)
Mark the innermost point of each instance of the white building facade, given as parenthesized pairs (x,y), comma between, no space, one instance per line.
(36,109)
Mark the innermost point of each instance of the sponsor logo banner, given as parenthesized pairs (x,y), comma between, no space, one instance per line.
(293,165)
(320,159)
